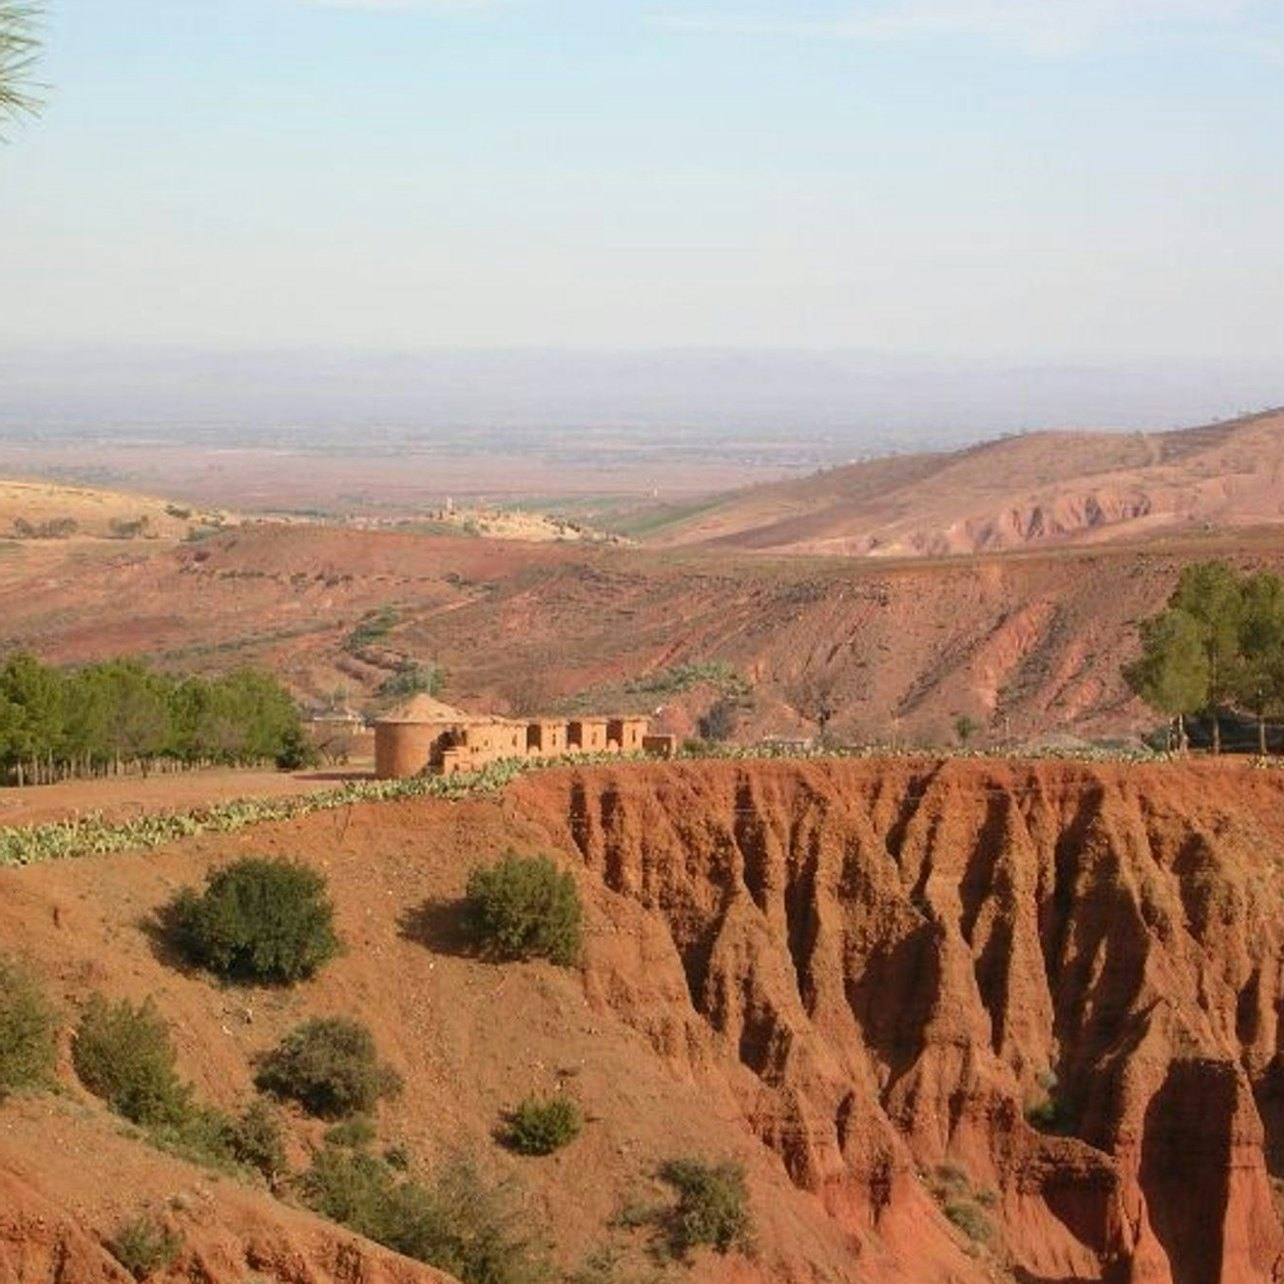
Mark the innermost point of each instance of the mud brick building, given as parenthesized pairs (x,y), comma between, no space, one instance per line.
(426,736)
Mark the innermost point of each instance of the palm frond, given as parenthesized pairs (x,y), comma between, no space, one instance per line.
(19,49)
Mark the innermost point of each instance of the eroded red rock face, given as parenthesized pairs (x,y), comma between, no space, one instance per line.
(38,1241)
(233,1239)
(904,967)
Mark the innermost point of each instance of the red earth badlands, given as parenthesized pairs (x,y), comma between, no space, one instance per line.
(912,960)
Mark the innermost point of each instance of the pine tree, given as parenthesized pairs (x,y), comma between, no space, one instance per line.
(1212,595)
(1171,674)
(1260,672)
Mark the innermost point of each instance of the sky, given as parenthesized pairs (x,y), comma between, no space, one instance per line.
(1027,180)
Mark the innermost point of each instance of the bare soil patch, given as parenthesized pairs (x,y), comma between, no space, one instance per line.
(122,797)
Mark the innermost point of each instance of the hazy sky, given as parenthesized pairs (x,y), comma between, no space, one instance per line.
(1044,179)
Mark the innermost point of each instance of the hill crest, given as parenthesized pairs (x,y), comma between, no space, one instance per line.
(1034,489)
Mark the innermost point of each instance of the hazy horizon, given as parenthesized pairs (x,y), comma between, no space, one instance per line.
(804,407)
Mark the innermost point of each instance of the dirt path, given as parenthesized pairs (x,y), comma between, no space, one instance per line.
(120,798)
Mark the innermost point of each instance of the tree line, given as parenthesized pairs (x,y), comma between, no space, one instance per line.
(118,714)
(1218,645)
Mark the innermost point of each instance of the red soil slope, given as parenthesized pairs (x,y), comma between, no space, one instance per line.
(858,977)
(1043,488)
(1025,644)
(230,1234)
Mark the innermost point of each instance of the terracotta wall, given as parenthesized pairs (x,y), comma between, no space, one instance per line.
(403,748)
(625,734)
(546,737)
(586,735)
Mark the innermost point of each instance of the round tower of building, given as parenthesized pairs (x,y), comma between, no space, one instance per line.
(403,749)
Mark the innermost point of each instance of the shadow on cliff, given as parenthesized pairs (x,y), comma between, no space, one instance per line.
(1269,1091)
(1025,1277)
(1186,1164)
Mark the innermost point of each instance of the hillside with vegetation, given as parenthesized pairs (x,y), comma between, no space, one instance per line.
(1017,642)
(893,652)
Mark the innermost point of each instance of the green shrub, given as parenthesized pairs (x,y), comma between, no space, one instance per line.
(610,1264)
(712,1207)
(374,626)
(410,679)
(143,1246)
(525,907)
(28,1031)
(257,1141)
(682,677)
(297,751)
(961,1203)
(330,1067)
(123,1054)
(353,1133)
(208,1136)
(966,1214)
(1045,1116)
(490,1238)
(350,1186)
(539,1126)
(720,720)
(201,1134)
(460,1224)
(259,919)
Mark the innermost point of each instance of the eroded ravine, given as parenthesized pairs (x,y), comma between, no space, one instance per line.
(906,965)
